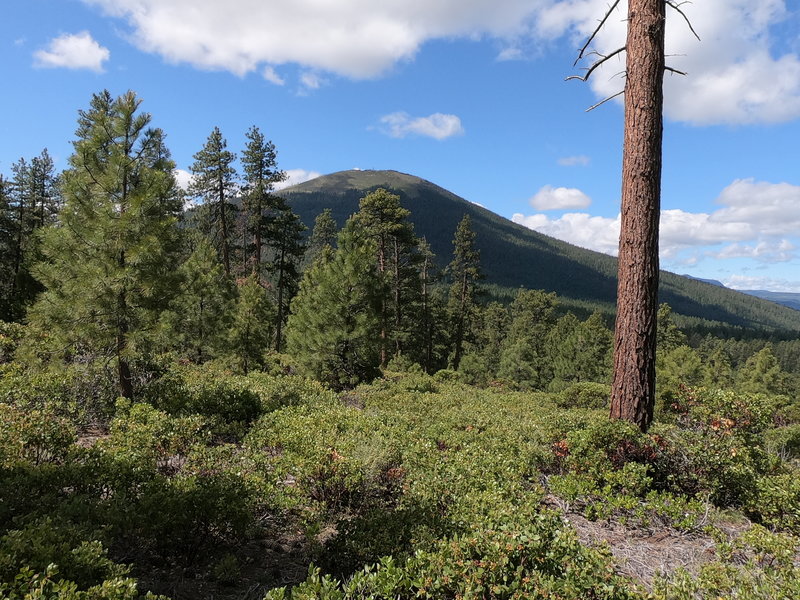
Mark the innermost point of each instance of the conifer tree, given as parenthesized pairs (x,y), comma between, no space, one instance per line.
(252,328)
(333,330)
(525,358)
(465,272)
(199,317)
(261,173)
(382,220)
(109,262)
(286,241)
(214,180)
(6,252)
(323,235)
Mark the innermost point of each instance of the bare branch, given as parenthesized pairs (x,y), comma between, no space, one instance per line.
(595,32)
(593,106)
(595,65)
(671,70)
(677,7)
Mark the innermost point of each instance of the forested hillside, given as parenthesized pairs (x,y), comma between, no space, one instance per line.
(514,256)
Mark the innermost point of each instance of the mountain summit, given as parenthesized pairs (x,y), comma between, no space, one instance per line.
(514,256)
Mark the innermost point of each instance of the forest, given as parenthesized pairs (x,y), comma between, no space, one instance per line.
(200,398)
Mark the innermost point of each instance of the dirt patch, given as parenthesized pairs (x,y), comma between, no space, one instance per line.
(644,553)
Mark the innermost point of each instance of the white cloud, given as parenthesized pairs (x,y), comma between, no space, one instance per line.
(73,51)
(770,208)
(736,75)
(311,80)
(574,161)
(560,198)
(272,76)
(763,251)
(354,38)
(295,176)
(745,282)
(183,178)
(438,126)
(581,229)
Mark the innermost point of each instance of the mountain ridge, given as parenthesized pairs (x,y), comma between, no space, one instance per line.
(514,256)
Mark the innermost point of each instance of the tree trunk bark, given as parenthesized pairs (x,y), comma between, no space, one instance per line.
(633,385)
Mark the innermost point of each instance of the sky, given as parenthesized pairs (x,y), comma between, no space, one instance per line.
(469,94)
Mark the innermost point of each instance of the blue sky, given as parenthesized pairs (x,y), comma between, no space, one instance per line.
(469,94)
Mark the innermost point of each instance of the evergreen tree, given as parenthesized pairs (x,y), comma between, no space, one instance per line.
(6,252)
(252,328)
(333,330)
(385,222)
(214,180)
(762,374)
(322,236)
(525,357)
(109,262)
(199,317)
(286,241)
(465,272)
(261,173)
(668,336)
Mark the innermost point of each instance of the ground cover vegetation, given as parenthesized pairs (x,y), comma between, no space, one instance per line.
(208,404)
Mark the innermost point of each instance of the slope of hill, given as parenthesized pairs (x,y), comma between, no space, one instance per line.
(514,256)
(789,299)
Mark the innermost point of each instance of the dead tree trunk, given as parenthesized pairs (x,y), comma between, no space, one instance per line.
(633,385)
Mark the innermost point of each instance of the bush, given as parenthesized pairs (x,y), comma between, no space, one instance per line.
(585,395)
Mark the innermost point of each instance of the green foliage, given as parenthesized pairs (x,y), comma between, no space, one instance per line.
(585,395)
(108,265)
(253,325)
(334,329)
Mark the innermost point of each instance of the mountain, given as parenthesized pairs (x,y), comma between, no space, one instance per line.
(792,300)
(514,256)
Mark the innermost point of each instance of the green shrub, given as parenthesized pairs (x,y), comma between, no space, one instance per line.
(585,394)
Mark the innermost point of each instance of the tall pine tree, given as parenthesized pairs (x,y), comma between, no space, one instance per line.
(109,262)
(214,180)
(465,272)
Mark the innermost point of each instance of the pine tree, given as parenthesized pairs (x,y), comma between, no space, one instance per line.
(382,220)
(214,180)
(465,272)
(6,252)
(109,262)
(525,357)
(252,328)
(333,330)
(322,236)
(199,317)
(286,241)
(261,173)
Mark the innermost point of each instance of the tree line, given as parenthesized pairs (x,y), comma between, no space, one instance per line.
(104,263)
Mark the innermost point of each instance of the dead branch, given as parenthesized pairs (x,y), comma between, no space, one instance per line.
(593,106)
(675,71)
(595,65)
(677,7)
(595,32)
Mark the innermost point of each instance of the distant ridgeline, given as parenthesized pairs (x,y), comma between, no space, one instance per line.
(514,256)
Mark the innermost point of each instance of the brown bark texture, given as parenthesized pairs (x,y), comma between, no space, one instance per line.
(633,384)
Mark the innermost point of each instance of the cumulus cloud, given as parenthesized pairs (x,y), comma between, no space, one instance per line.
(559,198)
(272,76)
(295,176)
(763,251)
(438,126)
(574,161)
(183,178)
(746,282)
(595,233)
(756,221)
(73,51)
(736,75)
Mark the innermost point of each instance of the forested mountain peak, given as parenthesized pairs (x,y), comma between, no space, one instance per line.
(514,256)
